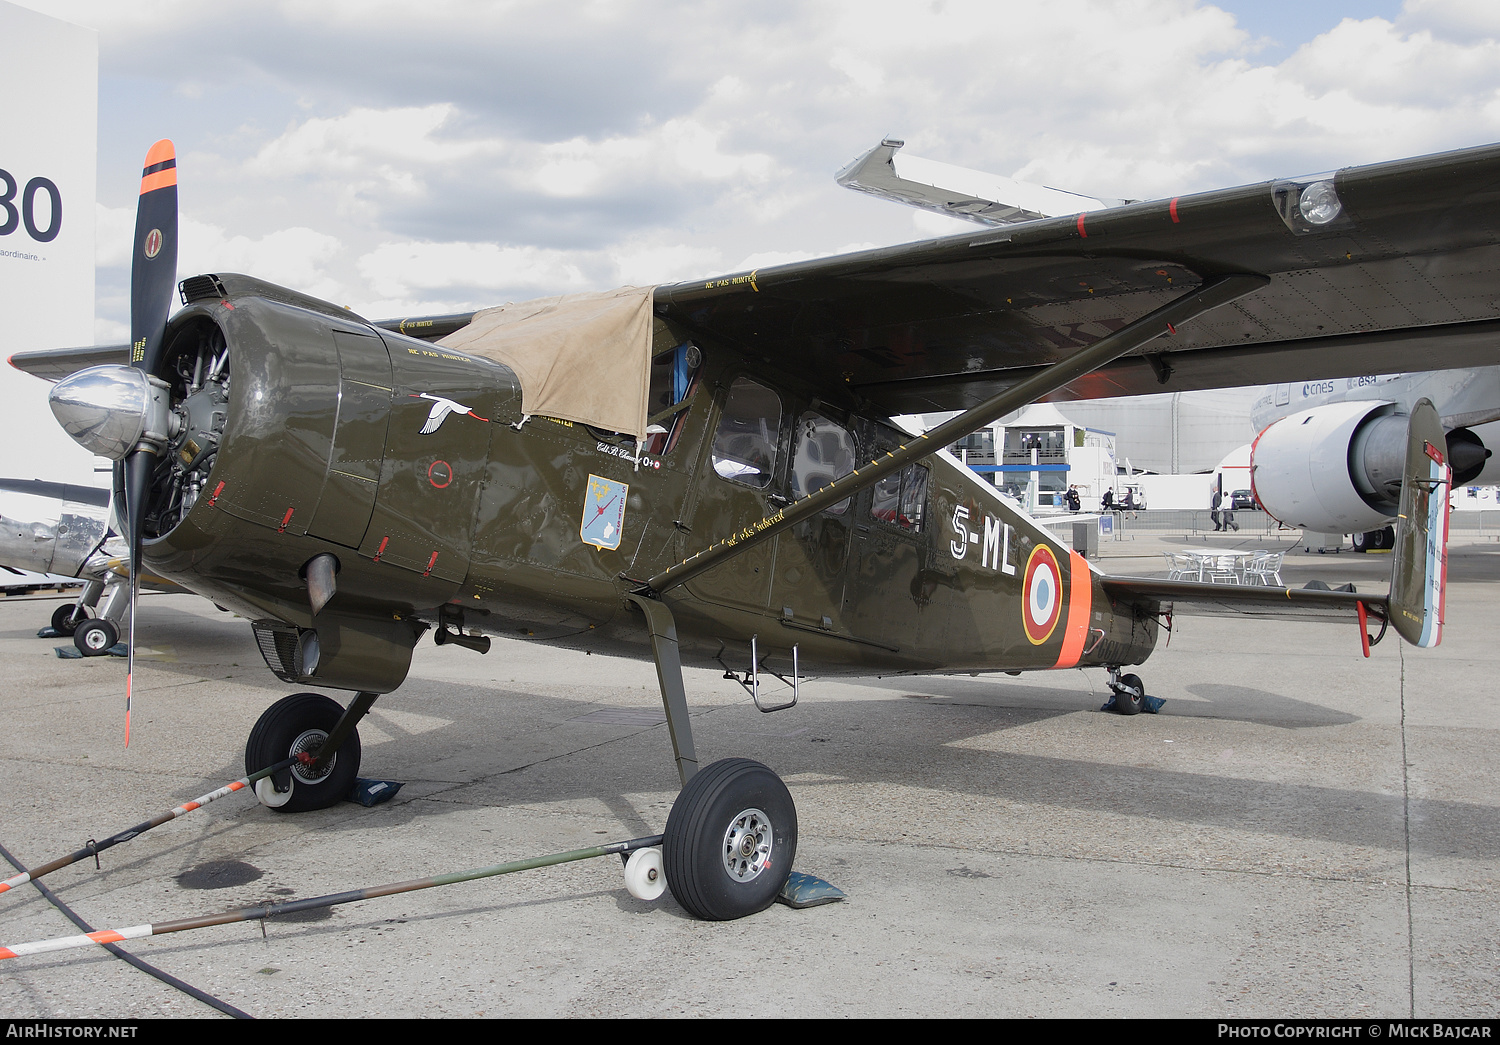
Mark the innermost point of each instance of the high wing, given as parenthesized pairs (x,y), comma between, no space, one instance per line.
(1401,272)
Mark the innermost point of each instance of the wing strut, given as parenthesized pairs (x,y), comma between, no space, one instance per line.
(1153,325)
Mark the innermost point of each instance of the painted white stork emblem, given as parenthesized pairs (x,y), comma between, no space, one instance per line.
(441,408)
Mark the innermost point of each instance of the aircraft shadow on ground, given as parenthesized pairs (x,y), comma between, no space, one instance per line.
(916,745)
(1230,703)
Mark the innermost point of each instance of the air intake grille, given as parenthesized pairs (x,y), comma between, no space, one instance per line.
(199,288)
(280,646)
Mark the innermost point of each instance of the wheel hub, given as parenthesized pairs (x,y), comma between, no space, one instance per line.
(747,845)
(310,742)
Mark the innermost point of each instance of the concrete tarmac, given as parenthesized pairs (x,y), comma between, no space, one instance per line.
(1300,832)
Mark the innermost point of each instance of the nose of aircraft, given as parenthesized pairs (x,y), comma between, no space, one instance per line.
(110,410)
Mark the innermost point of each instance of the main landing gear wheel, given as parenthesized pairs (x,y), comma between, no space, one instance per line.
(1130,695)
(62,619)
(96,637)
(1376,540)
(296,725)
(730,840)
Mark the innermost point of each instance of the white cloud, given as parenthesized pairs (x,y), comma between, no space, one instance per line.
(399,271)
(513,149)
(114,228)
(640,263)
(386,142)
(295,257)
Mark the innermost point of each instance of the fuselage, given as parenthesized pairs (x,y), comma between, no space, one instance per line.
(539,526)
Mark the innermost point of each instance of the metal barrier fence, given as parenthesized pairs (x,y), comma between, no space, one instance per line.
(1195,522)
(1475,524)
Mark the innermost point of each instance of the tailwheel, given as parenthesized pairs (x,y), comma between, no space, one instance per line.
(730,840)
(644,877)
(96,637)
(298,725)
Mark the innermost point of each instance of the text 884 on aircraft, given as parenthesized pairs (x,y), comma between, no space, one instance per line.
(707,473)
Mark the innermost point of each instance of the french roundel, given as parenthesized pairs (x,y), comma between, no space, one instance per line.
(1041,602)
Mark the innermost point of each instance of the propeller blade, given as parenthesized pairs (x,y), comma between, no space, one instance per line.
(153,273)
(153,270)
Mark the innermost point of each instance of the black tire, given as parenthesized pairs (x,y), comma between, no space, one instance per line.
(1387,538)
(291,725)
(96,637)
(62,619)
(1363,542)
(1125,703)
(733,798)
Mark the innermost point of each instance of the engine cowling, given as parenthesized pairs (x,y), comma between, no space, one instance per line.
(1332,469)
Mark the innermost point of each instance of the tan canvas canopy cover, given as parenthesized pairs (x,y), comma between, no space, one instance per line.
(580,357)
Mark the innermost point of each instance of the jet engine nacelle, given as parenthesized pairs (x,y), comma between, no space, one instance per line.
(1332,469)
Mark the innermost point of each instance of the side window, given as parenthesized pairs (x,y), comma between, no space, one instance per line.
(913,497)
(674,381)
(745,443)
(901,499)
(824,452)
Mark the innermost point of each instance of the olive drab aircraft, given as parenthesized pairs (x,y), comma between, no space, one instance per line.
(707,473)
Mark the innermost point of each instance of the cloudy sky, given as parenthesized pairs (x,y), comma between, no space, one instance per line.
(476,152)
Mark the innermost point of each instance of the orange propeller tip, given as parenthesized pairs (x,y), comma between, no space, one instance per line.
(160,170)
(161,151)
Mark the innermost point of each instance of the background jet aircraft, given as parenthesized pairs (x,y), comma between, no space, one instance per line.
(1322,460)
(707,470)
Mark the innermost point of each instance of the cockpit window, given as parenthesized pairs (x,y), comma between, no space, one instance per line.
(824,452)
(745,443)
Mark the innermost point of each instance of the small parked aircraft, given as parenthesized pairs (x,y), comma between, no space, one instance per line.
(64,530)
(706,472)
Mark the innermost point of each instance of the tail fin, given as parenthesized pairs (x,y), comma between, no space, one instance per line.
(1419,574)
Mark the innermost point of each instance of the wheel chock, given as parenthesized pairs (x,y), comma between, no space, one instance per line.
(369,792)
(119,649)
(805,890)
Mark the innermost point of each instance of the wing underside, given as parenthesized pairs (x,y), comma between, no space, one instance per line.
(57,363)
(1404,271)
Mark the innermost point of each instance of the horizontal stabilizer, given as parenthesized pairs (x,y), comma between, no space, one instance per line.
(1202,599)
